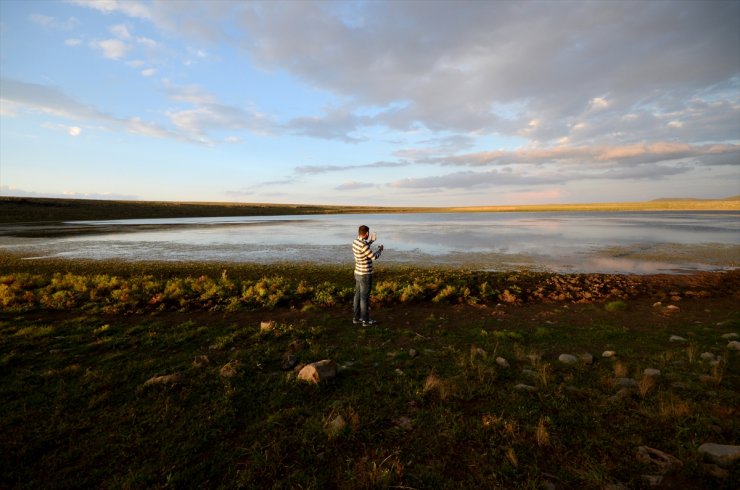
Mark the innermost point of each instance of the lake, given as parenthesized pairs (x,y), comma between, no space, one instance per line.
(640,242)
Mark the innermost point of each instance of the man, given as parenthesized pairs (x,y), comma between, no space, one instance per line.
(364,258)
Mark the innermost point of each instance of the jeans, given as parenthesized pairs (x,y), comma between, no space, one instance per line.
(363,284)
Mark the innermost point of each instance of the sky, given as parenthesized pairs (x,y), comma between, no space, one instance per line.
(402,103)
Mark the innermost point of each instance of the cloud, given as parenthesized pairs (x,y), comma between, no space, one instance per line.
(70,130)
(130,8)
(321,169)
(11,191)
(120,31)
(72,42)
(352,186)
(148,72)
(593,73)
(660,151)
(49,100)
(52,23)
(113,49)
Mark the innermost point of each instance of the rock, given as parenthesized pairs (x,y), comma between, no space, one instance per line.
(335,426)
(652,480)
(676,338)
(664,461)
(527,388)
(289,362)
(528,372)
(267,326)
(318,371)
(201,361)
(729,336)
(716,472)
(676,298)
(413,353)
(707,356)
(671,309)
(534,358)
(628,383)
(229,370)
(716,362)
(586,358)
(297,346)
(657,304)
(720,454)
(404,423)
(568,359)
(502,362)
(651,372)
(733,345)
(167,379)
(608,353)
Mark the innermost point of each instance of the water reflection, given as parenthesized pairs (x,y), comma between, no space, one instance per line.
(573,242)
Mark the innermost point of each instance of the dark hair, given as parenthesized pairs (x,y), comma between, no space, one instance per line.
(363,229)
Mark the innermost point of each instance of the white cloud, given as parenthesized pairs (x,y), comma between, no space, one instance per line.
(111,48)
(148,72)
(72,42)
(74,131)
(120,31)
(127,7)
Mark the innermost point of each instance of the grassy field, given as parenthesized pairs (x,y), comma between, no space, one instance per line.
(118,375)
(25,210)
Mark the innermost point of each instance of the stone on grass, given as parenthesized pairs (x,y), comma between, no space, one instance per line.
(651,372)
(403,422)
(502,362)
(721,454)
(335,426)
(201,361)
(413,353)
(707,356)
(568,359)
(167,379)
(676,338)
(729,336)
(586,358)
(664,461)
(527,388)
(628,383)
(608,353)
(267,326)
(318,371)
(289,362)
(671,309)
(733,345)
(229,370)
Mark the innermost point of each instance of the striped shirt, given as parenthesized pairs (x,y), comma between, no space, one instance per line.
(363,256)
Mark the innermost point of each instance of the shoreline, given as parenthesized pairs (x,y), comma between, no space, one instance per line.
(29,210)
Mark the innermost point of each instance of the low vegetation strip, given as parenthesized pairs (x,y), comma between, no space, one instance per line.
(189,375)
(45,210)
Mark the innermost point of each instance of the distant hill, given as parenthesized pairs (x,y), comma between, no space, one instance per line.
(666,199)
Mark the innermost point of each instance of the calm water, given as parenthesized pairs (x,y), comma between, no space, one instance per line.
(562,242)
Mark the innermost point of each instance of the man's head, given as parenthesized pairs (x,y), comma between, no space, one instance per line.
(363,231)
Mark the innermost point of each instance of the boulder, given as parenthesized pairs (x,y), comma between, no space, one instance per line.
(651,372)
(568,359)
(335,426)
(229,370)
(201,361)
(608,353)
(527,388)
(720,454)
(318,371)
(707,356)
(267,326)
(586,358)
(664,461)
(733,345)
(167,379)
(730,336)
(676,338)
(502,362)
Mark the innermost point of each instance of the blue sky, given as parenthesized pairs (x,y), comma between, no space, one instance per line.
(370,103)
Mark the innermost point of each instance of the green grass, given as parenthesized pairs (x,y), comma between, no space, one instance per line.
(76,411)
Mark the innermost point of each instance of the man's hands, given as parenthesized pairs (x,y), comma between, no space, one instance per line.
(380,248)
